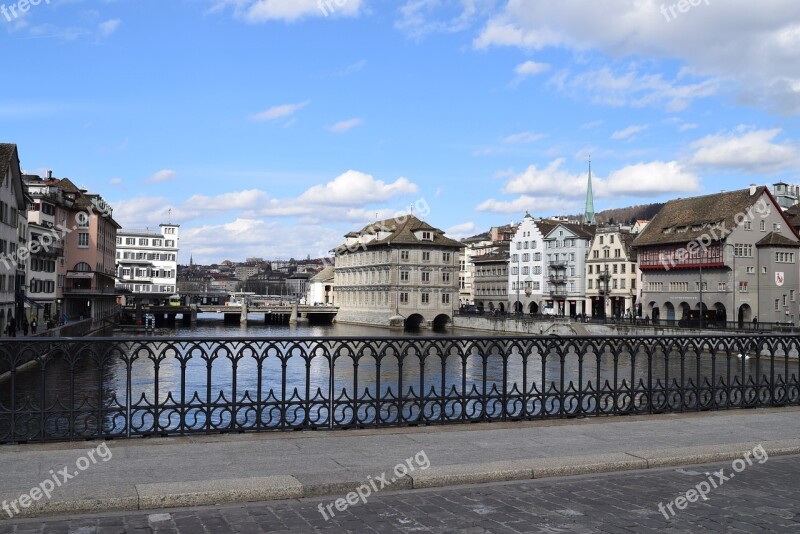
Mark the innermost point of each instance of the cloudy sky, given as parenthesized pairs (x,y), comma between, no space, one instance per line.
(272,127)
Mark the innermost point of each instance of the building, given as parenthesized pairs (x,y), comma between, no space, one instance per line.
(89,237)
(397,272)
(13,245)
(786,195)
(475,246)
(491,280)
(147,263)
(611,274)
(566,247)
(321,288)
(245,271)
(732,255)
(526,266)
(297,285)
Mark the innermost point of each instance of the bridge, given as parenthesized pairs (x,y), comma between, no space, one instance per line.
(287,314)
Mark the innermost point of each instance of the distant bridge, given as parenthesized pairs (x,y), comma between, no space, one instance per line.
(167,315)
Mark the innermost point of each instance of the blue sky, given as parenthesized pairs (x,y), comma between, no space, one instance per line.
(272,127)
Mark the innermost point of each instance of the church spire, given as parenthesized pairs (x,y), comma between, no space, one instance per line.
(588,216)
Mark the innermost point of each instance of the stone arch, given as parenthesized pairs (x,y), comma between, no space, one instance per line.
(414,321)
(441,321)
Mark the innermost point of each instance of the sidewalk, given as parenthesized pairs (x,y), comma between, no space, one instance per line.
(202,470)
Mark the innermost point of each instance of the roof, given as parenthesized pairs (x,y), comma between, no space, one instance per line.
(580,230)
(495,256)
(627,240)
(7,151)
(401,232)
(774,239)
(324,274)
(793,214)
(688,219)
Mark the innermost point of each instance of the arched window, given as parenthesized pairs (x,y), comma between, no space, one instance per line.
(83,267)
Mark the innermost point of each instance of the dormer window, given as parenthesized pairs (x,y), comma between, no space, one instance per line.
(427,236)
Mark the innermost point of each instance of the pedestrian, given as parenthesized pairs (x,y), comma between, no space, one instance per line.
(12,327)
(24,326)
(34,326)
(755,319)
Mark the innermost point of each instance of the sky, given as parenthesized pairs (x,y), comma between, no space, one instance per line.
(270,128)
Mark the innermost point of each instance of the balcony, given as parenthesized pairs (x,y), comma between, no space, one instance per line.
(558,264)
(604,276)
(558,293)
(558,278)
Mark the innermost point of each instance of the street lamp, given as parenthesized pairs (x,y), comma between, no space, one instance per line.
(519,271)
(528,286)
(733,282)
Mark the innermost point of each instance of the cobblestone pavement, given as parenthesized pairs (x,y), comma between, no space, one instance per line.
(758,498)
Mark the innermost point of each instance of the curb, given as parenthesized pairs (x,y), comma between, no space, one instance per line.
(128,498)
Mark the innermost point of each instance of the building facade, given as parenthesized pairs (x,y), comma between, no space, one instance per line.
(726,257)
(13,251)
(612,274)
(491,280)
(475,247)
(526,266)
(566,247)
(321,289)
(148,263)
(398,272)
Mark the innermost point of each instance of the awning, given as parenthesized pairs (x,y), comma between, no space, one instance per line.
(80,275)
(30,301)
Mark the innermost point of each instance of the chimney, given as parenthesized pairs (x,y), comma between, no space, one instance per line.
(753,188)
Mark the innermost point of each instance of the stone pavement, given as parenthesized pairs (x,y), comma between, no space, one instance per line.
(762,498)
(158,473)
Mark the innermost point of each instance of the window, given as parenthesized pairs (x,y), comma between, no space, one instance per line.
(169,243)
(784,257)
(446,257)
(622,284)
(427,236)
(791,295)
(722,286)
(158,242)
(404,255)
(776,227)
(611,239)
(83,240)
(445,298)
(763,270)
(777,304)
(743,251)
(82,220)
(526,270)
(763,226)
(748,225)
(143,242)
(404,276)
(403,298)
(426,298)
(590,284)
(130,241)
(742,287)
(622,268)
(697,286)
(751,270)
(426,256)
(590,269)
(526,257)
(426,277)
(446,278)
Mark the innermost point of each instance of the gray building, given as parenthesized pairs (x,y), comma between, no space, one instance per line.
(733,255)
(491,279)
(566,247)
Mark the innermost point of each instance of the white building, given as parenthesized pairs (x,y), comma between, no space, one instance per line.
(526,266)
(148,262)
(12,246)
(320,288)
(566,248)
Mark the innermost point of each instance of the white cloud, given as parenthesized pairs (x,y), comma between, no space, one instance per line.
(116,181)
(590,125)
(460,231)
(628,132)
(523,137)
(164,175)
(256,11)
(419,18)
(540,205)
(748,151)
(550,181)
(761,53)
(346,125)
(356,188)
(108,27)
(234,201)
(648,179)
(531,68)
(278,112)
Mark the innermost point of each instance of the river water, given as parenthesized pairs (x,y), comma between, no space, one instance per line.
(224,380)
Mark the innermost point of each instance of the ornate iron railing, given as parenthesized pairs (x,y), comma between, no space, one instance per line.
(66,389)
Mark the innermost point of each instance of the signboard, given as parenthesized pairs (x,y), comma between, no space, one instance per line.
(779,279)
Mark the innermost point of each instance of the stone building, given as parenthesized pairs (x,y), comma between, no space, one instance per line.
(397,272)
(475,247)
(526,271)
(733,255)
(13,250)
(148,263)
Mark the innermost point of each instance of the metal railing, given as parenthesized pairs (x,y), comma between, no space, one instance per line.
(70,389)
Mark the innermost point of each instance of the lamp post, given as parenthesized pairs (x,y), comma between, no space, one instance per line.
(606,255)
(702,315)
(528,286)
(733,282)
(519,270)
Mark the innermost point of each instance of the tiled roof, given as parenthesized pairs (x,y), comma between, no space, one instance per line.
(581,230)
(7,151)
(774,239)
(688,219)
(324,274)
(401,231)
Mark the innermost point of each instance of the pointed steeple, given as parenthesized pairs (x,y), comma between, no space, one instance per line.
(588,216)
